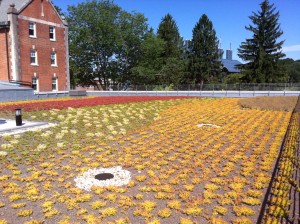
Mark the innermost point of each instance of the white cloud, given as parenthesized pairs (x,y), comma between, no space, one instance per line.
(291,48)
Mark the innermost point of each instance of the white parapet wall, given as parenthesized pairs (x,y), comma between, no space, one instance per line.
(21,94)
(12,94)
(18,94)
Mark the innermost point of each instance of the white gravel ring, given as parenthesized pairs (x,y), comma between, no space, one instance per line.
(87,179)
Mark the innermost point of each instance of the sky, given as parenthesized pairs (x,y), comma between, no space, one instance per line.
(229,18)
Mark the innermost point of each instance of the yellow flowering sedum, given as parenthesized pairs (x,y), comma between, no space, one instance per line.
(178,167)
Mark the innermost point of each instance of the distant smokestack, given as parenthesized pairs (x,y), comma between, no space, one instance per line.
(220,51)
(229,54)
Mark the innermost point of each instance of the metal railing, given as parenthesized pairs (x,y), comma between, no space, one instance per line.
(210,87)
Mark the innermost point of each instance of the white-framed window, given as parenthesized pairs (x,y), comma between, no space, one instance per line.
(54,84)
(32,29)
(53,59)
(52,33)
(35,83)
(33,57)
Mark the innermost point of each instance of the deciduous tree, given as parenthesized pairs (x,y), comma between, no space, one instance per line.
(104,41)
(293,69)
(151,62)
(133,28)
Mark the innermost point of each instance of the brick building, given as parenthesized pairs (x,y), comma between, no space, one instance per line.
(34,45)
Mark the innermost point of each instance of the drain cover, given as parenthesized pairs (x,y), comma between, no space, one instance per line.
(104,176)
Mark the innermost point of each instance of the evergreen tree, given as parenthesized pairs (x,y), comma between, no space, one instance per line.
(172,71)
(168,31)
(204,63)
(262,52)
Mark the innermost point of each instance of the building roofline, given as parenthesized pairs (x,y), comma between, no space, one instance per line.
(30,1)
(22,8)
(62,19)
(4,24)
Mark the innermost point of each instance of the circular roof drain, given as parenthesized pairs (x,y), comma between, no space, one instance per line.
(104,176)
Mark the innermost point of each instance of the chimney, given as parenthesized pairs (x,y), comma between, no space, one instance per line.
(11,9)
(12,17)
(229,54)
(221,52)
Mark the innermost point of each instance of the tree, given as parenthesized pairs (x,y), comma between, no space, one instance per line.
(293,69)
(173,70)
(168,31)
(104,42)
(59,10)
(151,63)
(133,29)
(262,52)
(234,78)
(204,63)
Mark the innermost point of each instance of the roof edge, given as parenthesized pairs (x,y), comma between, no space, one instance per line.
(59,16)
(22,8)
(62,19)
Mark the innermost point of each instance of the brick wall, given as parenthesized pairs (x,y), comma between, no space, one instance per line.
(3,55)
(43,45)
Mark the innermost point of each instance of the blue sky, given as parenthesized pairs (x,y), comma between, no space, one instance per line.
(229,18)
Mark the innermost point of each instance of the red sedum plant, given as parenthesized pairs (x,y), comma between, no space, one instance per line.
(83,102)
